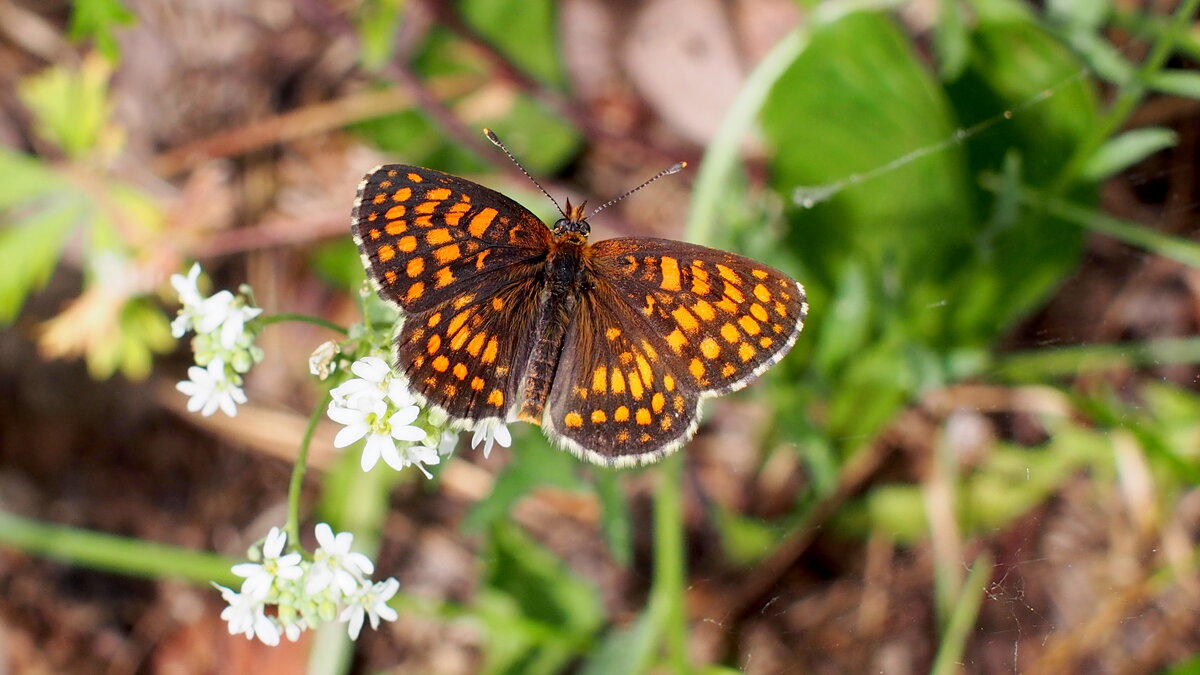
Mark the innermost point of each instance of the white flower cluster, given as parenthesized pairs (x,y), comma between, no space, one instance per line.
(224,344)
(302,593)
(377,406)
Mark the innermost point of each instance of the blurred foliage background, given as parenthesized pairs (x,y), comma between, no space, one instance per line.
(981,455)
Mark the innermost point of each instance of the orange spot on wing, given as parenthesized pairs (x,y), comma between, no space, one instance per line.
(459,339)
(727,370)
(440,364)
(415,178)
(379,198)
(425,207)
(447,254)
(670,274)
(669,383)
(766,343)
(396,227)
(457,322)
(730,333)
(490,351)
(733,293)
(438,236)
(415,291)
(709,348)
(573,420)
(618,381)
(761,292)
(480,222)
(599,417)
(635,385)
(644,369)
(696,369)
(496,397)
(444,277)
(658,402)
(434,344)
(476,345)
(497,304)
(746,352)
(728,274)
(390,276)
(676,340)
(402,195)
(479,258)
(438,194)
(385,252)
(727,305)
(704,310)
(758,311)
(685,319)
(460,371)
(477,383)
(395,212)
(760,274)
(414,267)
(600,380)
(621,414)
(407,244)
(642,416)
(612,333)
(434,319)
(749,325)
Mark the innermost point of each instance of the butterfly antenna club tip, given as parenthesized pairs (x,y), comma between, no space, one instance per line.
(674,168)
(491,136)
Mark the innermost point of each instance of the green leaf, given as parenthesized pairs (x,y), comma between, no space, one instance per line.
(743,538)
(549,614)
(25,178)
(72,106)
(96,19)
(378,21)
(625,650)
(1081,15)
(524,30)
(1127,149)
(615,522)
(1176,82)
(950,39)
(29,251)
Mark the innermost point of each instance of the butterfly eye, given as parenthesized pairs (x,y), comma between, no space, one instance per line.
(567,225)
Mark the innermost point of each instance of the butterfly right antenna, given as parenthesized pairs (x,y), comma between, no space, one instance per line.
(496,141)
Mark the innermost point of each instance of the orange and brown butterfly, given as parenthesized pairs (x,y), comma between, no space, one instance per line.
(610,347)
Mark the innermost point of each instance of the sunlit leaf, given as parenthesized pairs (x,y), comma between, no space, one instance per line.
(1124,150)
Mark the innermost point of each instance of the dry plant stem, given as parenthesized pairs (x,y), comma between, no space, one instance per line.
(314,119)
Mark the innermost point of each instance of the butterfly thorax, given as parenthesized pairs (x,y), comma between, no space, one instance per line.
(566,278)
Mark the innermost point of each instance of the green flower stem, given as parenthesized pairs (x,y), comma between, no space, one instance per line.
(302,318)
(666,593)
(297,483)
(1175,248)
(963,617)
(1039,364)
(123,555)
(1131,93)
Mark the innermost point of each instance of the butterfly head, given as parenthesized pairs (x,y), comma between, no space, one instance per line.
(573,221)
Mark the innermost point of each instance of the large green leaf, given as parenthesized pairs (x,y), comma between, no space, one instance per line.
(29,252)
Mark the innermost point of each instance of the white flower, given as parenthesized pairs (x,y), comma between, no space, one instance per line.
(371,602)
(323,360)
(212,311)
(368,417)
(373,380)
(334,564)
(189,297)
(261,576)
(489,432)
(246,616)
(447,443)
(211,388)
(234,326)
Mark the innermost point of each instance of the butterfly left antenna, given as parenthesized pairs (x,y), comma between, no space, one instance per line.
(496,141)
(674,168)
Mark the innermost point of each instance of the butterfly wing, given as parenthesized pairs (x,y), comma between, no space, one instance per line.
(425,236)
(467,356)
(682,321)
(463,263)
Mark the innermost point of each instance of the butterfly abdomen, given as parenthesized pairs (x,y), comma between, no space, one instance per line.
(565,278)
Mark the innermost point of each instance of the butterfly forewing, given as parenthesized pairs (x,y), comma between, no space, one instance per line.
(425,236)
(664,325)
(720,318)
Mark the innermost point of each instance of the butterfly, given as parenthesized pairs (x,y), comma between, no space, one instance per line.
(610,346)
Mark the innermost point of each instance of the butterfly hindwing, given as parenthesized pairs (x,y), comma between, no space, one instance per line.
(467,355)
(616,400)
(425,236)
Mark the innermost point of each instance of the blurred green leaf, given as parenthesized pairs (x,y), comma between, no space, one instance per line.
(142,331)
(539,589)
(743,538)
(96,19)
(1089,15)
(625,651)
(72,108)
(950,39)
(1184,83)
(615,522)
(1127,149)
(378,22)
(524,30)
(29,252)
(25,179)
